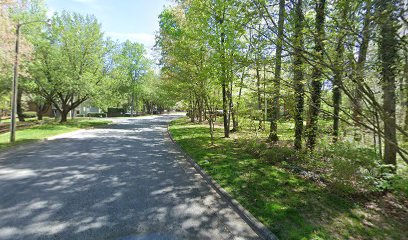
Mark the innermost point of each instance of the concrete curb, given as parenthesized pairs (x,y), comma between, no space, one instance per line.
(256,225)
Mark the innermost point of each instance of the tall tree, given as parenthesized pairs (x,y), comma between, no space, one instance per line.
(316,84)
(130,66)
(298,76)
(388,53)
(359,68)
(69,61)
(273,136)
(343,7)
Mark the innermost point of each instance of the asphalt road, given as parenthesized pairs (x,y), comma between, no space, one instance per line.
(126,182)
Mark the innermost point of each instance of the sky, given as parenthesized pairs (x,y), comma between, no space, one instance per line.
(134,20)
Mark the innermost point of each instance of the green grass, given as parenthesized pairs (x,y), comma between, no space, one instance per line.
(290,206)
(39,132)
(26,120)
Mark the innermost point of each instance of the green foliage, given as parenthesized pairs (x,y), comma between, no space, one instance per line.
(96,115)
(352,169)
(345,167)
(67,68)
(29,114)
(291,206)
(400,182)
(115,112)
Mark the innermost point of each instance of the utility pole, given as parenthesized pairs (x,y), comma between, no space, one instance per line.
(15,88)
(15,82)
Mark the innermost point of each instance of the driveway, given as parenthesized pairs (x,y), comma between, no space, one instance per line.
(127,181)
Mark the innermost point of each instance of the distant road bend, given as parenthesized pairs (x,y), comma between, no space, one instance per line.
(126,181)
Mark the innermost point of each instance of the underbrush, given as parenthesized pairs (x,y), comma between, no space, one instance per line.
(339,192)
(343,167)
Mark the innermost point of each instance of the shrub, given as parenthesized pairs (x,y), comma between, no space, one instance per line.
(276,154)
(351,169)
(98,115)
(400,183)
(273,154)
(344,167)
(116,112)
(253,147)
(29,114)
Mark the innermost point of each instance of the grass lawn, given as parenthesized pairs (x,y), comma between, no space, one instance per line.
(289,205)
(39,132)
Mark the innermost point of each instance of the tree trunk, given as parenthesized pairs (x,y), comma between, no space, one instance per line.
(64,116)
(338,73)
(273,135)
(241,84)
(406,94)
(132,107)
(388,51)
(20,112)
(191,109)
(225,110)
(258,88)
(233,113)
(298,74)
(359,78)
(316,84)
(224,86)
(200,110)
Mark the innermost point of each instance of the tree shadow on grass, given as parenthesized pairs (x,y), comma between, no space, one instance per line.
(291,207)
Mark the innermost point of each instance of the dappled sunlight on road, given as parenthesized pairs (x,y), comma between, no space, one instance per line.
(126,181)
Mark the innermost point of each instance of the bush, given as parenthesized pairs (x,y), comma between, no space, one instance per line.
(272,154)
(29,114)
(116,112)
(253,147)
(344,167)
(400,183)
(97,115)
(276,154)
(351,169)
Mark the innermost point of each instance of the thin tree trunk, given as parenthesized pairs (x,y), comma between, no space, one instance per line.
(338,74)
(273,135)
(258,88)
(405,92)
(192,109)
(264,95)
(20,112)
(224,87)
(200,110)
(388,51)
(232,110)
(197,109)
(132,108)
(239,98)
(362,56)
(316,84)
(298,74)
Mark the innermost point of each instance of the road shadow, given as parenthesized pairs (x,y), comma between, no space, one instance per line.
(125,181)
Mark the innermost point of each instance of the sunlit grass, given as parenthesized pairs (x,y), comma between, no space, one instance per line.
(39,132)
(290,206)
